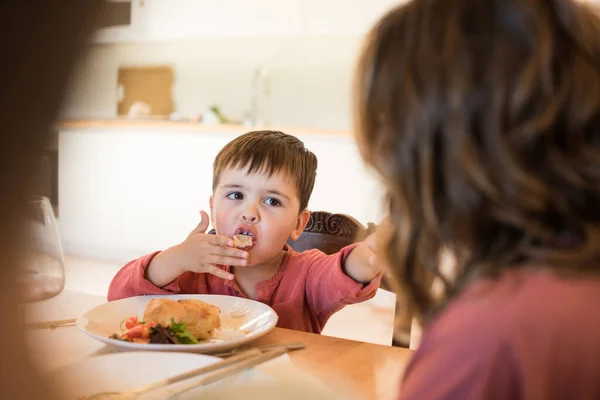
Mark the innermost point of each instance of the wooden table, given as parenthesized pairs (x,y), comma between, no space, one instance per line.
(368,370)
(373,371)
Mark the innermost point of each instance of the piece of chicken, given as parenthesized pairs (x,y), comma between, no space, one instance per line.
(199,317)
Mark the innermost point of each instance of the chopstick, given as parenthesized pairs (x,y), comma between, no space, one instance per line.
(229,366)
(234,369)
(50,324)
(238,367)
(203,370)
(288,346)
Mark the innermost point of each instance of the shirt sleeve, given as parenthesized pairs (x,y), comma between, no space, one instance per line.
(328,288)
(130,280)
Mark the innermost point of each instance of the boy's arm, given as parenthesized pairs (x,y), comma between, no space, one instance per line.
(164,267)
(329,288)
(130,280)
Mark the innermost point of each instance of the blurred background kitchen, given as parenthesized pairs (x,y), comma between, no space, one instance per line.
(297,56)
(165,84)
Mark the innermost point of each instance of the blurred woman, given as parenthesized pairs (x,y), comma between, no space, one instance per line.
(483,119)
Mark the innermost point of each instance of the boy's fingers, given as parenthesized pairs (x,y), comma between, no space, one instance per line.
(230,251)
(224,260)
(216,271)
(220,240)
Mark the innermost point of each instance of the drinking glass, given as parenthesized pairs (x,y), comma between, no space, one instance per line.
(41,273)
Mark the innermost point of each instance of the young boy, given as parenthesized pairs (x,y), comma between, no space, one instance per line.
(262,182)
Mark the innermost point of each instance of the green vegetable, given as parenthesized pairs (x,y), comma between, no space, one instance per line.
(182,334)
(217,111)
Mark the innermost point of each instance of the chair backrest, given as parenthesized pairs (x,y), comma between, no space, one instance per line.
(330,232)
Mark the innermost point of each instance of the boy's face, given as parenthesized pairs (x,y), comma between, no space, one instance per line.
(266,207)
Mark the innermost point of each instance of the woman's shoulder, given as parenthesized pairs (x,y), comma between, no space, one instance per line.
(502,334)
(521,302)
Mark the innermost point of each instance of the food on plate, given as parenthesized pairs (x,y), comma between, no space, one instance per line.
(199,317)
(168,321)
(242,241)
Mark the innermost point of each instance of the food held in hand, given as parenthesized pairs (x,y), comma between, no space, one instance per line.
(242,241)
(200,318)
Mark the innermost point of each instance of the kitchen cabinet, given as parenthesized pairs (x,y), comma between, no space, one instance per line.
(260,18)
(134,31)
(342,17)
(194,19)
(167,20)
(180,19)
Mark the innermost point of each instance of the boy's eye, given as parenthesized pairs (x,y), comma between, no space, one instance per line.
(235,196)
(272,202)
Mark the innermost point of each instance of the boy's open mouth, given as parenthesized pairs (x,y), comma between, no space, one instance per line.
(244,239)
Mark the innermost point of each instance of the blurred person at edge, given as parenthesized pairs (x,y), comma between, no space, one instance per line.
(40,42)
(482,118)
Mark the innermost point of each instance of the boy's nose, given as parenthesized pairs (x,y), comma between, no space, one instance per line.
(250,215)
(249,218)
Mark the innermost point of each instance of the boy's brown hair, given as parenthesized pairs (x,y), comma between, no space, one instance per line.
(483,119)
(270,152)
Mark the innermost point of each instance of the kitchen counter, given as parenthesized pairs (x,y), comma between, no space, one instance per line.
(186,126)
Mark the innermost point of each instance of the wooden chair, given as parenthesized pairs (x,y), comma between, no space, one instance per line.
(330,232)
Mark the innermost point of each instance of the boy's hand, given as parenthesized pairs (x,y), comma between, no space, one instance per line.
(199,252)
(202,252)
(362,264)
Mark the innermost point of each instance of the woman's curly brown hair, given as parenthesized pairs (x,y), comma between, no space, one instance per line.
(483,119)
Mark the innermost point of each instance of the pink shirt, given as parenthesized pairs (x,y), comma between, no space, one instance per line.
(306,290)
(528,335)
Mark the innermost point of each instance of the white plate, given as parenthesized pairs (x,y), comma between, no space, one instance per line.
(242,321)
(132,370)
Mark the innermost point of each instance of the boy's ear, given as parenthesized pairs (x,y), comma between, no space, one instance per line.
(301,222)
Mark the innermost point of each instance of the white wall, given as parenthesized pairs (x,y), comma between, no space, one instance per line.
(124,193)
(310,77)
